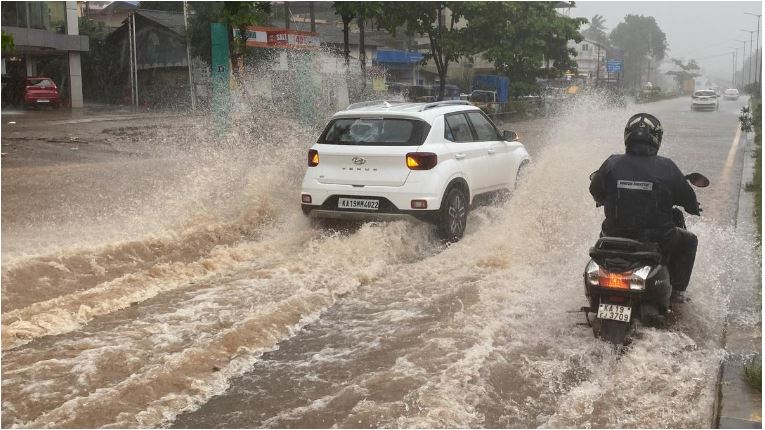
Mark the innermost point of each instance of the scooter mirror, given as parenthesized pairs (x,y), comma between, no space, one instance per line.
(593,174)
(698,180)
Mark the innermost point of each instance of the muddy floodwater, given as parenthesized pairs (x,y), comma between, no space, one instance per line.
(167,277)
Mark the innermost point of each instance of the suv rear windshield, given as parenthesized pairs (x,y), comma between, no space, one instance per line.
(375,132)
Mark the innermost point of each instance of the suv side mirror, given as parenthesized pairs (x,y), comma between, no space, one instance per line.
(509,136)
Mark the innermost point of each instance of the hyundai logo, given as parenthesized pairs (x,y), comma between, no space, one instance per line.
(359,160)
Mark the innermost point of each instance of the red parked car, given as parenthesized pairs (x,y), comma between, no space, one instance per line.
(41,91)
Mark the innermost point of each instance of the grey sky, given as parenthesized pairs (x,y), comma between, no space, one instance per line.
(694,29)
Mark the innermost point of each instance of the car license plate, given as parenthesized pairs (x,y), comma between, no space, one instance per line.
(365,204)
(43,101)
(614,312)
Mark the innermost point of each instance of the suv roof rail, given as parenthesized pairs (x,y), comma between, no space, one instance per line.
(387,103)
(445,103)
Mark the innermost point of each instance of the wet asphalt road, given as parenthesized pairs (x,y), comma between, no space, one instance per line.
(147,283)
(300,385)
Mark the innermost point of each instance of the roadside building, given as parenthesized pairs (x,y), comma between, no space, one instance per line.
(590,60)
(161,60)
(47,43)
(112,14)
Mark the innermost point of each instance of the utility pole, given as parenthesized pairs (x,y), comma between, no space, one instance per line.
(650,55)
(135,59)
(743,58)
(287,15)
(130,58)
(312,13)
(597,71)
(758,66)
(735,62)
(751,36)
(188,55)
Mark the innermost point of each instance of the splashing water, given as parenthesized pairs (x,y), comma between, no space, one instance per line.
(216,270)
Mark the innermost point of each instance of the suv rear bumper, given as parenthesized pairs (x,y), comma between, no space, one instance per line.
(392,199)
(386,211)
(357,216)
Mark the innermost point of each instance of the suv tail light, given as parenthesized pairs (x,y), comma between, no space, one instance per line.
(421,160)
(313,158)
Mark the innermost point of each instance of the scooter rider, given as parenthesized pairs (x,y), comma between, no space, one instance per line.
(639,190)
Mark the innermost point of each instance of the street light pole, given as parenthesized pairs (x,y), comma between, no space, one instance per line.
(757,53)
(743,58)
(735,63)
(188,56)
(751,36)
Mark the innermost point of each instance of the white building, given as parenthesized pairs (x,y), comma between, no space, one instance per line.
(591,55)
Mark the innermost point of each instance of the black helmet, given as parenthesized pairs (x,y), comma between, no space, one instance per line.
(643,128)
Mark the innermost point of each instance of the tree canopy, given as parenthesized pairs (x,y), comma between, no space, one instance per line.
(597,30)
(640,39)
(528,40)
(687,71)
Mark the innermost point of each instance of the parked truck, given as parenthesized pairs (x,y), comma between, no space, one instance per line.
(489,92)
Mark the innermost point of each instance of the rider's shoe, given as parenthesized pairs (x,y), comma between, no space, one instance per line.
(678,297)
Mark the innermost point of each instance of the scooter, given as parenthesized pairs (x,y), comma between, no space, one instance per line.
(627,280)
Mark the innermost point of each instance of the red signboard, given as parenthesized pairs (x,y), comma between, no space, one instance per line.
(270,37)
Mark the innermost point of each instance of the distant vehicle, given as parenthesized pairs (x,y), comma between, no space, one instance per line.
(704,99)
(484,100)
(391,160)
(731,94)
(500,85)
(41,91)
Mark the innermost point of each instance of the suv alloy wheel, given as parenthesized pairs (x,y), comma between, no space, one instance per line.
(453,216)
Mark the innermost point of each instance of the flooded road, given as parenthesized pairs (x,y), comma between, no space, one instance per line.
(212,302)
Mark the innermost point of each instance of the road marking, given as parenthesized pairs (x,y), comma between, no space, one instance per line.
(731,155)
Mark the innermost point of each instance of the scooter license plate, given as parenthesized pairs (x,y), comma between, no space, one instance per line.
(614,312)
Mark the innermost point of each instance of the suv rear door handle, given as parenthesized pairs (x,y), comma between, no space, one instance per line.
(459,156)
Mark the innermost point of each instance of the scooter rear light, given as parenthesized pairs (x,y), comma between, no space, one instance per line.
(620,281)
(630,280)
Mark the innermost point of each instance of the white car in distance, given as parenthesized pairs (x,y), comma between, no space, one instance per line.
(704,99)
(731,94)
(389,160)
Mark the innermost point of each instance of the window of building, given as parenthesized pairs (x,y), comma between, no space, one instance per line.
(14,13)
(48,15)
(585,47)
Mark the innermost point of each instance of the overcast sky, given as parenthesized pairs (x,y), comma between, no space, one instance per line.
(695,29)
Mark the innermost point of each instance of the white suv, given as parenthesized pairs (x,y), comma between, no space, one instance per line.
(390,160)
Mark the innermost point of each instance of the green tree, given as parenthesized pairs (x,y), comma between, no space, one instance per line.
(440,22)
(7,43)
(597,30)
(347,11)
(528,40)
(641,41)
(686,72)
(363,12)
(235,14)
(169,6)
